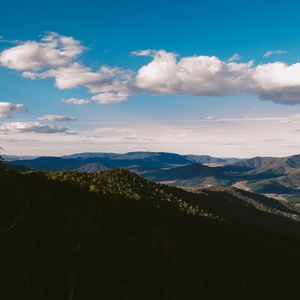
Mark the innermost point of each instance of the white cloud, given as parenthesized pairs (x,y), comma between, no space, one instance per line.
(194,75)
(34,127)
(274,52)
(53,50)
(209,76)
(111,83)
(109,98)
(234,57)
(54,56)
(56,118)
(76,101)
(71,76)
(7,109)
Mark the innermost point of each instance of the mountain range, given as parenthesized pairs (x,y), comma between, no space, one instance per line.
(265,175)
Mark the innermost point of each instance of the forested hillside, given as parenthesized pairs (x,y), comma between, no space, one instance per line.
(114,235)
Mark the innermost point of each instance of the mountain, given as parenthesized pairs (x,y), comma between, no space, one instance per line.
(286,184)
(209,160)
(16,157)
(114,235)
(48,163)
(172,158)
(135,159)
(86,155)
(265,167)
(267,175)
(192,175)
(138,160)
(270,175)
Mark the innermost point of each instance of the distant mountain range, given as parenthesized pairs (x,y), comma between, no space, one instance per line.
(266,175)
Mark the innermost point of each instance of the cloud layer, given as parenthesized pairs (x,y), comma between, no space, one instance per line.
(223,137)
(34,127)
(55,56)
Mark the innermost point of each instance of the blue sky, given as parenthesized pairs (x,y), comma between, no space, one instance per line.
(152,109)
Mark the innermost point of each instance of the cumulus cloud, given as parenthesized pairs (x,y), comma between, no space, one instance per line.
(53,50)
(112,83)
(71,76)
(274,52)
(210,76)
(54,56)
(34,127)
(194,75)
(56,118)
(234,57)
(7,109)
(76,101)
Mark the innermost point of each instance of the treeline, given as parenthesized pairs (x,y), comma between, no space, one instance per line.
(113,235)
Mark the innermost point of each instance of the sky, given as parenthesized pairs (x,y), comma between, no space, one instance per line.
(205,77)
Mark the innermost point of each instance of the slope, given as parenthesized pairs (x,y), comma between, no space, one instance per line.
(116,236)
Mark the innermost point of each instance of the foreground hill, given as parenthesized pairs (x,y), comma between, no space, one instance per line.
(114,235)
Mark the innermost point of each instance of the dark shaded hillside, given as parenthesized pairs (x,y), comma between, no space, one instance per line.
(240,205)
(113,235)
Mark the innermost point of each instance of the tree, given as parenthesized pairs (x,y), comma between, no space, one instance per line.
(1,158)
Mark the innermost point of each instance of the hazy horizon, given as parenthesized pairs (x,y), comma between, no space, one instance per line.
(5,154)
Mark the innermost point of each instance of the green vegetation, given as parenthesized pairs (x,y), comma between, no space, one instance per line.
(114,235)
(293,199)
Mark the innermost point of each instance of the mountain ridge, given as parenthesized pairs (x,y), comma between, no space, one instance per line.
(270,175)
